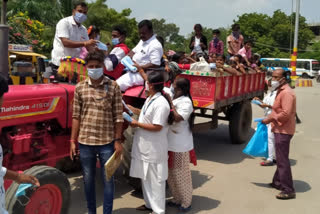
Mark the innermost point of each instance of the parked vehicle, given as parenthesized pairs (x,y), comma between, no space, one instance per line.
(306,68)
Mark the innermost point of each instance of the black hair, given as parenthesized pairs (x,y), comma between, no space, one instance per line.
(197,26)
(248,41)
(161,40)
(216,31)
(222,56)
(82,4)
(93,30)
(287,76)
(95,55)
(184,85)
(120,29)
(239,56)
(3,85)
(158,78)
(146,23)
(176,57)
(235,27)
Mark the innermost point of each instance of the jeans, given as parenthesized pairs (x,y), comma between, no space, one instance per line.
(88,158)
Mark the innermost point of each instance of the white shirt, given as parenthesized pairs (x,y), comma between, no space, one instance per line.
(151,146)
(197,47)
(3,172)
(180,136)
(269,100)
(119,53)
(67,28)
(149,51)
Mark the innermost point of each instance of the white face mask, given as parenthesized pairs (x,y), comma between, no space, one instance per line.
(95,73)
(147,86)
(274,85)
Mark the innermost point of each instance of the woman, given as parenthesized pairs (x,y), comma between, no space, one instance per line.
(180,144)
(150,145)
(198,42)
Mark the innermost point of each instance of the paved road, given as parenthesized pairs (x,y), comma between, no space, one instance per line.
(227,181)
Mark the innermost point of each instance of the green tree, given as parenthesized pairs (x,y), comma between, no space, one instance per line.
(272,34)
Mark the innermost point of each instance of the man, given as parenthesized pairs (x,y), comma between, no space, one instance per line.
(245,52)
(113,66)
(71,36)
(97,126)
(147,54)
(4,172)
(283,122)
(234,40)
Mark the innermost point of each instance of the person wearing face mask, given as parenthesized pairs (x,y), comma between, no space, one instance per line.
(267,104)
(216,45)
(71,36)
(97,128)
(93,33)
(282,119)
(147,55)
(112,62)
(234,41)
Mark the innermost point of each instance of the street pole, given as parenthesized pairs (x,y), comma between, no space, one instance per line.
(295,42)
(4,40)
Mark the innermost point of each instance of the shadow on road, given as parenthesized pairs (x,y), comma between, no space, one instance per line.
(300,186)
(215,145)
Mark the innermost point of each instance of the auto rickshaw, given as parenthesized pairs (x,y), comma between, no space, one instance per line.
(25,66)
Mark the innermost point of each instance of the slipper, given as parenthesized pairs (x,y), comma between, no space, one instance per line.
(286,196)
(266,163)
(143,208)
(187,209)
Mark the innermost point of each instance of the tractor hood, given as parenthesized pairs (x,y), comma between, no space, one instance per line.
(37,103)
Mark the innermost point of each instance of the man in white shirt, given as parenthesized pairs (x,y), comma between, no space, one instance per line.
(71,36)
(4,172)
(147,54)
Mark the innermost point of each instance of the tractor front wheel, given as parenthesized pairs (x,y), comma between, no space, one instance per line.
(52,197)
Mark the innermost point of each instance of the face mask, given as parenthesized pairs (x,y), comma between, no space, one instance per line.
(274,85)
(80,17)
(95,73)
(115,41)
(147,86)
(22,189)
(98,37)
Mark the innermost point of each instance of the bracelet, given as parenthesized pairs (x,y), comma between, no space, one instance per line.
(72,141)
(117,139)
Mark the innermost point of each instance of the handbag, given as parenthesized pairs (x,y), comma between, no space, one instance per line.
(258,144)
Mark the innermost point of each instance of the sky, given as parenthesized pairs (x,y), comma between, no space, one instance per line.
(210,13)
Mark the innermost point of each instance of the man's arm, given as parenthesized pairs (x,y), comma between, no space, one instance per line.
(117,109)
(287,103)
(75,122)
(21,178)
(77,44)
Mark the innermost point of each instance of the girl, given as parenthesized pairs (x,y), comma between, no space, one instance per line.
(150,145)
(198,42)
(180,144)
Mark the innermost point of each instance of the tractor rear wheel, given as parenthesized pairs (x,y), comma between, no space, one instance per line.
(240,122)
(52,197)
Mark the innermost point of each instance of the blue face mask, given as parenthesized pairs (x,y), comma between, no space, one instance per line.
(102,46)
(95,73)
(80,17)
(115,41)
(22,189)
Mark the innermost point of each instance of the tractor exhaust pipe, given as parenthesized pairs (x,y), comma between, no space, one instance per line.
(4,40)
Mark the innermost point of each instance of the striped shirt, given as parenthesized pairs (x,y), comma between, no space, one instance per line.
(98,109)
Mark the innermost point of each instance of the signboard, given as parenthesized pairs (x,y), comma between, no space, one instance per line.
(22,48)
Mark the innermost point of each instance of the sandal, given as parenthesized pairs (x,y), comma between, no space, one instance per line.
(187,209)
(285,196)
(143,208)
(266,163)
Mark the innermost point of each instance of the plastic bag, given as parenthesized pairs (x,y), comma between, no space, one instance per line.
(128,63)
(258,144)
(202,65)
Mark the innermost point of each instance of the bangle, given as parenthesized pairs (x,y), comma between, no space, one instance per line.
(117,139)
(72,141)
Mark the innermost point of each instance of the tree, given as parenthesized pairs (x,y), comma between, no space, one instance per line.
(272,34)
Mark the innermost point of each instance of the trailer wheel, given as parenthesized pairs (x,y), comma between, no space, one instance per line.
(240,122)
(127,146)
(52,197)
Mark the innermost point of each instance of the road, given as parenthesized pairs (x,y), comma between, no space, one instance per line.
(227,181)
